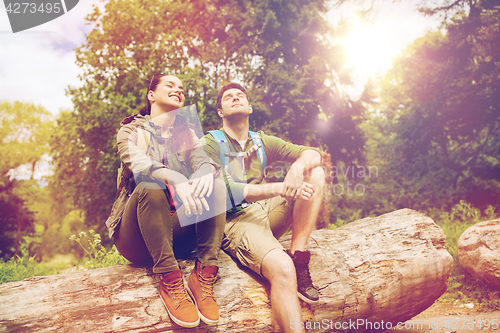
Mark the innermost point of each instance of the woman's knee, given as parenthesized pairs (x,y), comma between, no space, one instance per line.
(219,187)
(152,194)
(219,196)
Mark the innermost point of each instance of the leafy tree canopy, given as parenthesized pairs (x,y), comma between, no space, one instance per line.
(24,135)
(279,50)
(442,98)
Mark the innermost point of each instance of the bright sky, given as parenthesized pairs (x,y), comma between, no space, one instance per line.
(38,65)
(371,46)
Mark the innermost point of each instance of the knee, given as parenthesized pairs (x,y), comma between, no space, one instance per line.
(316,176)
(219,187)
(152,194)
(281,270)
(218,196)
(286,272)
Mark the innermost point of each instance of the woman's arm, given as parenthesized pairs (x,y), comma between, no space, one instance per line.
(132,154)
(132,150)
(203,177)
(168,176)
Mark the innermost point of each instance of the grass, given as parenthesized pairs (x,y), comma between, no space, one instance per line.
(96,256)
(466,289)
(461,285)
(22,267)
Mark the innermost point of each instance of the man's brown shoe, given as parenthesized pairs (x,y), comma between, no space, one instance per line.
(176,300)
(201,287)
(305,289)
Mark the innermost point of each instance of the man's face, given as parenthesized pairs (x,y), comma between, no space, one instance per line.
(233,102)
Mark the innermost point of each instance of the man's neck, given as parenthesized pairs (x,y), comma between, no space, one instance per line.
(236,130)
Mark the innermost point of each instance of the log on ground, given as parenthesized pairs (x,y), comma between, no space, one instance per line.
(388,268)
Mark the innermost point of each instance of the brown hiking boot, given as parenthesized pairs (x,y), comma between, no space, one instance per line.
(201,287)
(305,289)
(176,300)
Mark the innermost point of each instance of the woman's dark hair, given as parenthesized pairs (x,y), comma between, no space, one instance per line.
(155,80)
(181,133)
(181,138)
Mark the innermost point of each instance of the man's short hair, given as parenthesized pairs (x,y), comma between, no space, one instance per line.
(228,86)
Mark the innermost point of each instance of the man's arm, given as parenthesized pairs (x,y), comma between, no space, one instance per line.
(294,179)
(308,159)
(256,192)
(253,192)
(293,186)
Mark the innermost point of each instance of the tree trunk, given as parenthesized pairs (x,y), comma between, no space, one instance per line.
(380,270)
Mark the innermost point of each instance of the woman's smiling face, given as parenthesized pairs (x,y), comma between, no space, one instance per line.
(169,92)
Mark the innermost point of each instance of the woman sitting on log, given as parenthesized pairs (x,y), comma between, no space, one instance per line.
(162,160)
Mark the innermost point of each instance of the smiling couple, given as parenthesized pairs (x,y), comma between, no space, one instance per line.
(169,164)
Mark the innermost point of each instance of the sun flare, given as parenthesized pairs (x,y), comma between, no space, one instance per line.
(369,48)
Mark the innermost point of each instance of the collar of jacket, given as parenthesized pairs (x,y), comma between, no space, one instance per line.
(143,122)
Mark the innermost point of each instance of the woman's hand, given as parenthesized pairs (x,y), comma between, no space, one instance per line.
(192,204)
(202,181)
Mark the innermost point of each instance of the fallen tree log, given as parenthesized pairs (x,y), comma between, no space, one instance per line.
(479,251)
(378,270)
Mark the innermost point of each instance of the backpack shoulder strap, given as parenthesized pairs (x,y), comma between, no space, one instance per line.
(225,151)
(221,140)
(124,176)
(261,153)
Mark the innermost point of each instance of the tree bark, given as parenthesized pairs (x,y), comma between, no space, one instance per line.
(479,251)
(388,268)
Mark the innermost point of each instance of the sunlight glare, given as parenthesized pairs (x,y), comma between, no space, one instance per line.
(369,49)
(371,46)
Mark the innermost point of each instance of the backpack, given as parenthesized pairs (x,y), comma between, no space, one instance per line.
(225,151)
(225,158)
(124,179)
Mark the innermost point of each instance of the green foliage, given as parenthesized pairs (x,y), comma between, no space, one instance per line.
(462,216)
(56,235)
(462,286)
(25,266)
(96,256)
(24,134)
(466,289)
(440,104)
(433,133)
(278,50)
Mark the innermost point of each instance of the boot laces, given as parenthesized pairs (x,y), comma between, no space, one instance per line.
(177,291)
(303,276)
(207,285)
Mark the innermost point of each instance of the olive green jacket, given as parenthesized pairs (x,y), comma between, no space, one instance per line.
(142,150)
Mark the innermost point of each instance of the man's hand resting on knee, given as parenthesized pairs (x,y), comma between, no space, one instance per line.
(305,192)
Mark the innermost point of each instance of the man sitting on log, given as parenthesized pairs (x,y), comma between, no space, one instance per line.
(259,212)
